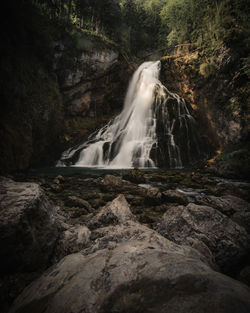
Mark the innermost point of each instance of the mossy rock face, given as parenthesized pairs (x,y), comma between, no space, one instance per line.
(235,164)
(31,115)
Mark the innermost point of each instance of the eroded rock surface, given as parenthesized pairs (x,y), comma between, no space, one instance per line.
(131,268)
(28,229)
(235,208)
(72,240)
(228,241)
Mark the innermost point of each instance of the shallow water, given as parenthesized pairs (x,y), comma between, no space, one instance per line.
(74,170)
(97,171)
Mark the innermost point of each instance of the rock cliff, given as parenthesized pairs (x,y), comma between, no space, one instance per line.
(217,91)
(213,95)
(93,79)
(53,101)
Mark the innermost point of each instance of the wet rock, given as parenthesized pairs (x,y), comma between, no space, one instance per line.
(59,179)
(28,229)
(131,268)
(240,190)
(112,183)
(135,176)
(228,242)
(174,196)
(71,241)
(78,202)
(113,213)
(234,207)
(55,187)
(153,196)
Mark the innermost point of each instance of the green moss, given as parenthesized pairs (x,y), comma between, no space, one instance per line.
(85,39)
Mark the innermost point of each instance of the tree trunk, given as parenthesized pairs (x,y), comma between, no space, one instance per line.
(69,10)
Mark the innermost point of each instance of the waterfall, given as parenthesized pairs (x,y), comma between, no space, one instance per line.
(146,132)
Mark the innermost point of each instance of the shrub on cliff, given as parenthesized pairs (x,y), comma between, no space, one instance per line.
(207,69)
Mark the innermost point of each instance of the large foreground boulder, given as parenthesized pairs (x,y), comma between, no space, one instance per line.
(28,230)
(228,241)
(131,268)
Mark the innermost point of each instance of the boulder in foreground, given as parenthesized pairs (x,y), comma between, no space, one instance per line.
(228,241)
(131,268)
(28,229)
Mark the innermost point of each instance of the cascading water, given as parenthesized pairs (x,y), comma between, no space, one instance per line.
(146,132)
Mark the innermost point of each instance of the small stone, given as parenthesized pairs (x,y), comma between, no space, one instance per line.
(113,213)
(112,182)
(153,196)
(60,178)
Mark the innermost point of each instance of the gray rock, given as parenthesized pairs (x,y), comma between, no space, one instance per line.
(71,241)
(58,180)
(228,241)
(238,189)
(131,268)
(135,176)
(115,212)
(244,275)
(89,64)
(174,196)
(203,249)
(80,74)
(153,196)
(234,207)
(28,230)
(111,182)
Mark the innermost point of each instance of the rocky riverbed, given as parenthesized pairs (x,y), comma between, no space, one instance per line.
(130,241)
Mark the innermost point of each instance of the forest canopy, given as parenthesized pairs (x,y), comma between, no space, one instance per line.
(150,24)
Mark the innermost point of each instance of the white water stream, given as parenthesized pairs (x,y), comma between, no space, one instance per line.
(130,140)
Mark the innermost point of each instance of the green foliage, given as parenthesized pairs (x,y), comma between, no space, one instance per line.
(208,23)
(139,25)
(207,69)
(177,15)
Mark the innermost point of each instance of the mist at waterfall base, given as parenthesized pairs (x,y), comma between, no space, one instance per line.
(154,129)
